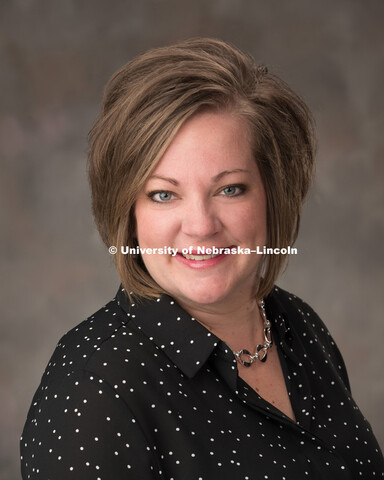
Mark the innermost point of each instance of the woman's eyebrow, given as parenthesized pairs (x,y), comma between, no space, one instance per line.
(167,179)
(222,174)
(215,179)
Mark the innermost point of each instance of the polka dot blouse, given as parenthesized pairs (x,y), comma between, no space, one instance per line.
(144,391)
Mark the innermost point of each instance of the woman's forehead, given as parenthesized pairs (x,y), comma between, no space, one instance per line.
(212,143)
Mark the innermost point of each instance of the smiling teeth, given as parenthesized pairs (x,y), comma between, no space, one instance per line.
(199,257)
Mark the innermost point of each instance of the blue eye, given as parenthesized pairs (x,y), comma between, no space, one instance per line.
(160,197)
(233,190)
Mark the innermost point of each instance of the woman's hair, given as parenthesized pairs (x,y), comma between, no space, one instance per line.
(144,106)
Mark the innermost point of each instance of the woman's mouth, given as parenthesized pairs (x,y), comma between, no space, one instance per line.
(199,258)
(203,260)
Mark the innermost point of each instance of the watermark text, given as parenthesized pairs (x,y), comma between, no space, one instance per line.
(202,250)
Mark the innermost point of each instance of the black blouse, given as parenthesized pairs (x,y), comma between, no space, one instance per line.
(144,391)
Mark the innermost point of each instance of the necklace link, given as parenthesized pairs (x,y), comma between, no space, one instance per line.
(261,357)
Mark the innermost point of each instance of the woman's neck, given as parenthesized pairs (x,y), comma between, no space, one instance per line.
(240,325)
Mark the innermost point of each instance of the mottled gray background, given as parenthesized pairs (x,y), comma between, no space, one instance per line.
(56,56)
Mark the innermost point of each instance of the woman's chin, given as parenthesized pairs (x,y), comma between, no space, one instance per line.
(203,296)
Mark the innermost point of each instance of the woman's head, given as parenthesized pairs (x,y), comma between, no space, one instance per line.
(206,200)
(145,105)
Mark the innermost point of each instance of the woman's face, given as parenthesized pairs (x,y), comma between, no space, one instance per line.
(206,191)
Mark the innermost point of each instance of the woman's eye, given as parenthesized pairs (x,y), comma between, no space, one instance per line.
(161,197)
(233,190)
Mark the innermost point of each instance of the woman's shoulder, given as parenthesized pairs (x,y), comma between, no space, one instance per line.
(299,315)
(95,336)
(296,309)
(77,346)
(307,325)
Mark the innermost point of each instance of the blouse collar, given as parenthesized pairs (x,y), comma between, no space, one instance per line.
(186,342)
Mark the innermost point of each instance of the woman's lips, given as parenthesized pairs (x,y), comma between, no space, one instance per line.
(195,260)
(199,258)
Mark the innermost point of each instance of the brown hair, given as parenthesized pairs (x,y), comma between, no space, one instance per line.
(145,104)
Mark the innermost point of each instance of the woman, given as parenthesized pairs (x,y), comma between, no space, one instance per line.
(199,368)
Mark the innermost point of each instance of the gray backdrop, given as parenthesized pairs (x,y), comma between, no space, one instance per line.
(55,58)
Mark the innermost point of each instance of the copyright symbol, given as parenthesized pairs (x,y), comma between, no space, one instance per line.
(112,250)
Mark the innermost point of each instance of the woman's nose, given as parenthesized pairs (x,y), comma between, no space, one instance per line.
(200,220)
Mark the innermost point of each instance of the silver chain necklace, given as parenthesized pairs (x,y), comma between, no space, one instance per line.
(261,350)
